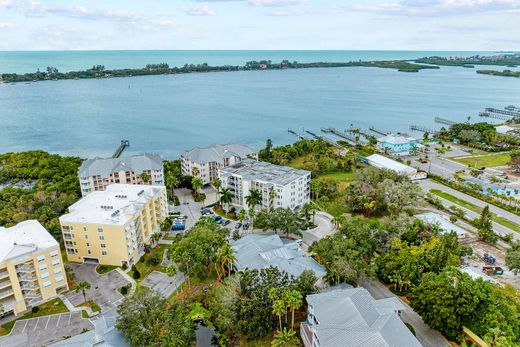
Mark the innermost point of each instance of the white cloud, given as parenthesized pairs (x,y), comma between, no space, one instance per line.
(276,3)
(5,25)
(438,7)
(199,10)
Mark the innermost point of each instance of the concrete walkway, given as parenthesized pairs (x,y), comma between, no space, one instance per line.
(426,335)
(127,277)
(73,308)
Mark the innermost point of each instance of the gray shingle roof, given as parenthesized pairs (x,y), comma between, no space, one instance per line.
(263,171)
(352,318)
(263,251)
(105,166)
(216,152)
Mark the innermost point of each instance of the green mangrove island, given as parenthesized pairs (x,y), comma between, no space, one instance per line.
(509,60)
(99,71)
(505,73)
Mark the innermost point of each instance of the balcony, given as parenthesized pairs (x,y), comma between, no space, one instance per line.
(306,335)
(5,283)
(25,269)
(5,293)
(4,273)
(27,278)
(28,286)
(32,296)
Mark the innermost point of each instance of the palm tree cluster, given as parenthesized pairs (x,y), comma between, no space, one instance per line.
(283,301)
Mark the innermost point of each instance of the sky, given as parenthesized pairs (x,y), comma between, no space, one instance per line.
(260,24)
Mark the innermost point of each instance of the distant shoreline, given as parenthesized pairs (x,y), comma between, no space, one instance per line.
(99,71)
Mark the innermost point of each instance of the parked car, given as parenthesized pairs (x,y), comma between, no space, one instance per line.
(245,226)
(226,222)
(488,258)
(217,218)
(238,225)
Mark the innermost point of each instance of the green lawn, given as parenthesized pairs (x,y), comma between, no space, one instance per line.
(51,307)
(485,160)
(144,268)
(499,219)
(103,269)
(92,304)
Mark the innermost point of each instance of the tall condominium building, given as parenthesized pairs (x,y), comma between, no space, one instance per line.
(280,186)
(112,226)
(209,160)
(31,268)
(96,174)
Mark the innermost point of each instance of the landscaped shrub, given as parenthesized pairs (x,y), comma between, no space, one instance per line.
(124,290)
(136,274)
(154,259)
(35,309)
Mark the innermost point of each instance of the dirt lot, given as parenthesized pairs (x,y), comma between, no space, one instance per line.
(479,248)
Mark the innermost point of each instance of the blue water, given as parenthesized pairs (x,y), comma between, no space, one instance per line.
(171,113)
(80,60)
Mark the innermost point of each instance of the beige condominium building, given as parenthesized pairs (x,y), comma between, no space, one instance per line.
(31,268)
(112,226)
(96,174)
(208,160)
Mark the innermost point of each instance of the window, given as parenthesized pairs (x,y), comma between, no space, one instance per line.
(54,254)
(43,267)
(55,262)
(88,244)
(101,237)
(59,279)
(100,230)
(45,275)
(89,252)
(104,253)
(57,271)
(84,228)
(86,237)
(41,258)
(103,245)
(47,284)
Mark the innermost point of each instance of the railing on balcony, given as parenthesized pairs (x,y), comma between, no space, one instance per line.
(5,293)
(27,286)
(25,268)
(306,335)
(4,273)
(32,295)
(27,278)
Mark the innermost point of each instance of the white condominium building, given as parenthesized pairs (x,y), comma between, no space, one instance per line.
(96,174)
(280,186)
(112,227)
(31,268)
(208,160)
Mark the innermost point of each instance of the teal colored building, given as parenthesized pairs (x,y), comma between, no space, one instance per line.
(400,144)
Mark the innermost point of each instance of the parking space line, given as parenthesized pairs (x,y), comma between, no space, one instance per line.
(70,316)
(58,322)
(36,325)
(48,320)
(26,322)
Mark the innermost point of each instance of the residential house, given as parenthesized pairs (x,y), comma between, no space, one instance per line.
(397,144)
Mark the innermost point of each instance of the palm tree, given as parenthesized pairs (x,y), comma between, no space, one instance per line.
(145,177)
(225,198)
(254,198)
(272,196)
(279,310)
(285,338)
(173,182)
(242,215)
(226,257)
(83,286)
(197,183)
(216,183)
(306,211)
(294,301)
(195,171)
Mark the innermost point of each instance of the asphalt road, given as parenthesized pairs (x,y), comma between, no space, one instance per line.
(426,185)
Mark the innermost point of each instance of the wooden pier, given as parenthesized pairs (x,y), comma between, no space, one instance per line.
(301,137)
(444,121)
(422,129)
(378,131)
(121,148)
(495,115)
(504,112)
(349,138)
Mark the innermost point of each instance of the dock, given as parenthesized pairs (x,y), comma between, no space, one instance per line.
(504,112)
(495,116)
(301,137)
(422,129)
(349,138)
(124,144)
(444,121)
(378,131)
(326,139)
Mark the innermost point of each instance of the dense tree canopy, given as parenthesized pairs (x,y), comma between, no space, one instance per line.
(39,186)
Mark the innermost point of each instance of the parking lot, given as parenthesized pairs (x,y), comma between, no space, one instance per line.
(45,330)
(162,283)
(103,287)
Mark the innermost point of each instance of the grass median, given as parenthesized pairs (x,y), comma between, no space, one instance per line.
(485,160)
(468,205)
